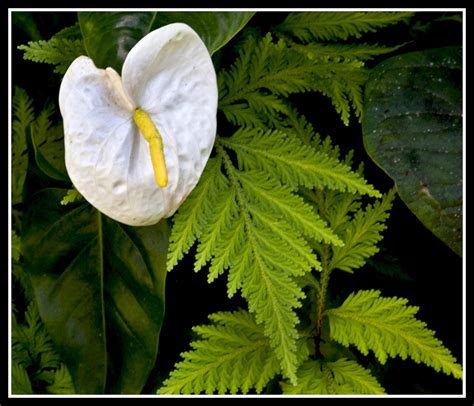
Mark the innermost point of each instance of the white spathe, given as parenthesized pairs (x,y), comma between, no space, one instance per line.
(169,74)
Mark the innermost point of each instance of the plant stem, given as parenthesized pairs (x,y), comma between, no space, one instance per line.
(323,287)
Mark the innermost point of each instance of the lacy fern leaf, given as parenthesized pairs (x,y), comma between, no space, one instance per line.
(360,234)
(195,211)
(34,353)
(256,94)
(293,163)
(31,343)
(56,51)
(21,384)
(251,222)
(274,72)
(342,52)
(341,377)
(388,327)
(61,382)
(232,355)
(23,116)
(329,26)
(70,197)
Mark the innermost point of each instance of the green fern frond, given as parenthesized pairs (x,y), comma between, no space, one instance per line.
(256,94)
(293,163)
(342,52)
(31,343)
(71,32)
(23,112)
(241,233)
(388,327)
(231,355)
(263,73)
(194,212)
(271,195)
(42,124)
(361,233)
(329,26)
(70,197)
(342,377)
(33,350)
(16,246)
(22,117)
(62,382)
(348,372)
(21,384)
(221,219)
(343,83)
(56,51)
(250,223)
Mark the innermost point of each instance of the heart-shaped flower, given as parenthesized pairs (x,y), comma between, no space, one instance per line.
(136,145)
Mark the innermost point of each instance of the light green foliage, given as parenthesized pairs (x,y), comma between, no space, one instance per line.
(60,50)
(342,377)
(338,69)
(252,91)
(61,381)
(255,89)
(360,232)
(251,222)
(330,26)
(232,355)
(388,327)
(71,196)
(293,163)
(33,355)
(275,203)
(21,383)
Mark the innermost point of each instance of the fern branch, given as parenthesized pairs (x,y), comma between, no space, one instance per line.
(342,52)
(256,94)
(329,26)
(271,294)
(293,163)
(21,384)
(57,51)
(232,354)
(23,116)
(360,234)
(342,377)
(194,212)
(388,327)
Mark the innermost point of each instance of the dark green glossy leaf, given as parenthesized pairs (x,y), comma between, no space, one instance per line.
(413,130)
(100,290)
(215,28)
(109,36)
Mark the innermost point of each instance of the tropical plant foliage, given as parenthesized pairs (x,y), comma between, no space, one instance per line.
(277,210)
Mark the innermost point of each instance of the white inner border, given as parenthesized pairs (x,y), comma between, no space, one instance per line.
(10,10)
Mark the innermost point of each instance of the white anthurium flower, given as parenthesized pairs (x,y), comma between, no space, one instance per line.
(136,145)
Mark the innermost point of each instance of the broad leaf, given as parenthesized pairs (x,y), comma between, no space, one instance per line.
(215,28)
(100,290)
(413,130)
(109,36)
